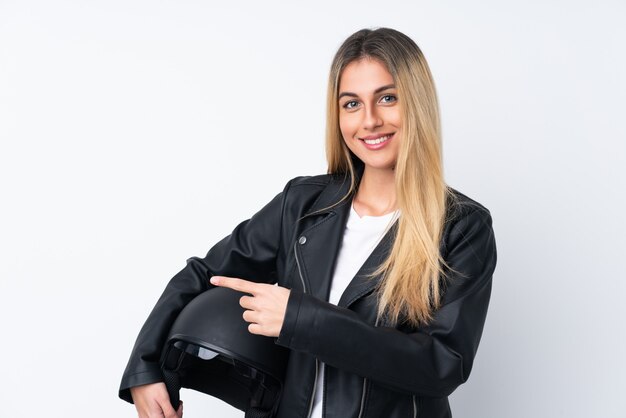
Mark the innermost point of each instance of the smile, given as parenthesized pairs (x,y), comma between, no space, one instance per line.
(377,143)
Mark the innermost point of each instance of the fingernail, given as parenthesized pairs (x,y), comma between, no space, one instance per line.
(214,280)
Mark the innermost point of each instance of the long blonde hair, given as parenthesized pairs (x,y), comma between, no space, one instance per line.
(410,285)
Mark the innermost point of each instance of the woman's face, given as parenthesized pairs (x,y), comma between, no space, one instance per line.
(369,114)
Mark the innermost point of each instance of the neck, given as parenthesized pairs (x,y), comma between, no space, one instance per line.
(377,193)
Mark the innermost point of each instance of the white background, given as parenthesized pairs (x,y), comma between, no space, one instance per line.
(135,134)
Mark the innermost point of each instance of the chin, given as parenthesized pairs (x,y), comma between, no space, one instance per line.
(380,167)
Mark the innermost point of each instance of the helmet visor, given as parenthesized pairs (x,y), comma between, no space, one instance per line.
(196,350)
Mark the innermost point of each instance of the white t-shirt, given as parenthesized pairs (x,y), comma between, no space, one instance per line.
(360,238)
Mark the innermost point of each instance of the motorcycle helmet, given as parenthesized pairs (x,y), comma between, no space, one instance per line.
(209,349)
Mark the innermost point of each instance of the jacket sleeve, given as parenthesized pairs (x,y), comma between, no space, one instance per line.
(432,361)
(249,252)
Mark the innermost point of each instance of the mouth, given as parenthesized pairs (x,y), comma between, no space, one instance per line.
(376,139)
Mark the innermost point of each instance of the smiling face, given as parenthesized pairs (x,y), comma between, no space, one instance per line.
(369,114)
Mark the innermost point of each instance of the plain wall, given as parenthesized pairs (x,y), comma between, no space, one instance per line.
(135,134)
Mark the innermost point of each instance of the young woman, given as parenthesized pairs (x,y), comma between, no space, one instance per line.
(383,271)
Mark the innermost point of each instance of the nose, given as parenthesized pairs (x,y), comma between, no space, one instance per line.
(372,119)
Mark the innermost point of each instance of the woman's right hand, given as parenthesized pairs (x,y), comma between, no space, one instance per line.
(152,401)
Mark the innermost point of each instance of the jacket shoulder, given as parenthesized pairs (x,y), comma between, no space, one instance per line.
(459,205)
(313,180)
(307,187)
(464,214)
(301,194)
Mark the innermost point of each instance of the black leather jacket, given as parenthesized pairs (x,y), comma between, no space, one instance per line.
(372,370)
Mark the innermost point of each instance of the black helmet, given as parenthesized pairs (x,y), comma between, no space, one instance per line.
(209,349)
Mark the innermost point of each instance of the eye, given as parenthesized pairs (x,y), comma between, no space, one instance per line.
(347,106)
(393,98)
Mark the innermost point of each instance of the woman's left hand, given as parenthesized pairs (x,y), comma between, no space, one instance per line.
(265,308)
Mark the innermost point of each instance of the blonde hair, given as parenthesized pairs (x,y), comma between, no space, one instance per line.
(410,285)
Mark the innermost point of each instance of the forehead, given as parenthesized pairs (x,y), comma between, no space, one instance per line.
(364,76)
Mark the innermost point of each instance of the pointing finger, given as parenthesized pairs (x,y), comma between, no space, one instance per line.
(235,284)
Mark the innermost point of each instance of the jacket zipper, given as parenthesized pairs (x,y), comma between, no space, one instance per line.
(364,387)
(295,252)
(363,397)
(414,408)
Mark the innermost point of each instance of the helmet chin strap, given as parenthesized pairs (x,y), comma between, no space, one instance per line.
(169,367)
(260,406)
(172,383)
(257,413)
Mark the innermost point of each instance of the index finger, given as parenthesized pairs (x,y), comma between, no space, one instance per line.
(234,283)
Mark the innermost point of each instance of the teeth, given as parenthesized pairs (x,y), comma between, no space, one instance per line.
(377,140)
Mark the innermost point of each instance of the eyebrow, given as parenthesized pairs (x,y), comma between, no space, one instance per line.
(378,90)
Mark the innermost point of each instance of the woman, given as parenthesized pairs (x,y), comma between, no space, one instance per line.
(383,271)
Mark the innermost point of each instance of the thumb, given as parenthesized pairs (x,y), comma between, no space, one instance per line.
(168,409)
(179,412)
